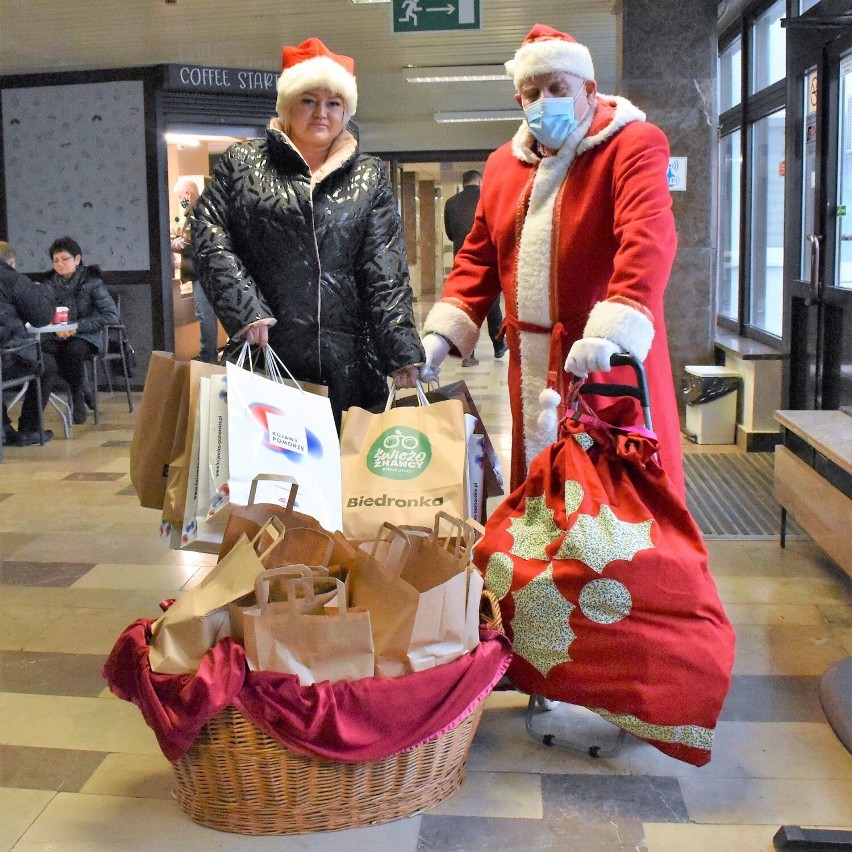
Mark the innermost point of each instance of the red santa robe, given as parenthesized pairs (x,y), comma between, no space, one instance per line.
(581,244)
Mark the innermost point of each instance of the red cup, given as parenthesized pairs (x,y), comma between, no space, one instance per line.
(61,315)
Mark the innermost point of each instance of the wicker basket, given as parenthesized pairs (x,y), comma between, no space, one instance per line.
(236,778)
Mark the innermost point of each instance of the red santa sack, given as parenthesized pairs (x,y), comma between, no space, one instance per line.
(605,593)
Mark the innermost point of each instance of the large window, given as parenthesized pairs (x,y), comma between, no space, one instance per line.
(730,75)
(752,167)
(767,223)
(768,57)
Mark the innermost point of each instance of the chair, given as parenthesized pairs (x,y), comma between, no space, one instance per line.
(114,349)
(22,382)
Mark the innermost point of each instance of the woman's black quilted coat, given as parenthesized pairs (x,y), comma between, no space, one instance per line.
(330,265)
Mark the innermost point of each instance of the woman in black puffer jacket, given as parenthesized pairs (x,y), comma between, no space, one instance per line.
(298,243)
(90,305)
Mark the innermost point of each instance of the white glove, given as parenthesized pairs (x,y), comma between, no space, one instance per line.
(590,354)
(436,349)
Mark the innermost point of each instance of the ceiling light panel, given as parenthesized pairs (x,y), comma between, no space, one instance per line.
(479,115)
(457,74)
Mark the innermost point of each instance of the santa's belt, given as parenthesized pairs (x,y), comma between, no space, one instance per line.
(555,371)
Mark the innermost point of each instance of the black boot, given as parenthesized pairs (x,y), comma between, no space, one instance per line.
(78,408)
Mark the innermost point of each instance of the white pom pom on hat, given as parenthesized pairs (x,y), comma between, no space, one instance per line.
(312,65)
(546,50)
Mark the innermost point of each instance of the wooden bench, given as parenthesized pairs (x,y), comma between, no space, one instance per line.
(817,489)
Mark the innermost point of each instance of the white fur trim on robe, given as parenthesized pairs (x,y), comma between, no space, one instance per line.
(630,328)
(534,307)
(535,252)
(454,324)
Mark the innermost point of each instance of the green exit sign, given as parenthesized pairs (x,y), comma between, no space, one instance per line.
(422,16)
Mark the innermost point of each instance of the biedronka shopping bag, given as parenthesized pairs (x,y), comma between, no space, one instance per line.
(402,465)
(604,590)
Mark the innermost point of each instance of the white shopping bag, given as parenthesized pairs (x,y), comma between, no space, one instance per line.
(474,469)
(275,428)
(200,533)
(217,444)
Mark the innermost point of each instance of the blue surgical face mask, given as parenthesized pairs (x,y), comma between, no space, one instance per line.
(551,120)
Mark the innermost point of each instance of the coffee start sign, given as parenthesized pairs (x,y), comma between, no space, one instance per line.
(202,78)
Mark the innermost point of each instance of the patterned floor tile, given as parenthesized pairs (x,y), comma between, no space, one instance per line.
(89,476)
(484,834)
(51,673)
(60,574)
(613,800)
(772,698)
(47,768)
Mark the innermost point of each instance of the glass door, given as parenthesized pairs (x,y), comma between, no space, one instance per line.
(818,232)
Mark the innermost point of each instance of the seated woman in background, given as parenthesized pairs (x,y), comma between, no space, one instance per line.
(90,306)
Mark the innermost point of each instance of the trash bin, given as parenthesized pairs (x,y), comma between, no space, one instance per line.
(711,404)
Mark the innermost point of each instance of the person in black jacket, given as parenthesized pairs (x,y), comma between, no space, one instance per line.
(186,190)
(459,212)
(90,306)
(24,301)
(298,243)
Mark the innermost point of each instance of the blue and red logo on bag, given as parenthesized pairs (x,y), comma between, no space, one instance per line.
(400,453)
(296,451)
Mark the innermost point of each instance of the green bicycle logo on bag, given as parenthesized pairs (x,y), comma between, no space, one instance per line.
(399,453)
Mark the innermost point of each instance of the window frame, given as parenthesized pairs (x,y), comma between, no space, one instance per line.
(742,117)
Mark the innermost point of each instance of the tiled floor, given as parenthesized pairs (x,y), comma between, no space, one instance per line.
(79,770)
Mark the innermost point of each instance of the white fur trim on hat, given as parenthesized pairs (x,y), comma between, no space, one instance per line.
(545,56)
(317,72)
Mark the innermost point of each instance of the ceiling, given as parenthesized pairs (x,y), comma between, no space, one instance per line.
(393,115)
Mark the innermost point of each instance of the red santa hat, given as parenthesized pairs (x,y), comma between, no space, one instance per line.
(546,50)
(312,65)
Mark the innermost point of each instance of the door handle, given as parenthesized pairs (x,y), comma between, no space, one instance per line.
(816,282)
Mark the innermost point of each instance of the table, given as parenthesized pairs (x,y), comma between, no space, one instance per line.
(821,504)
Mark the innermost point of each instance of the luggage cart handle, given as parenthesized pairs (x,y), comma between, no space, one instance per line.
(638,391)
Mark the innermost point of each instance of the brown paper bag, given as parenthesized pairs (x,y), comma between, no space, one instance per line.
(174,503)
(277,579)
(308,640)
(493,473)
(156,427)
(198,619)
(402,465)
(249,518)
(418,604)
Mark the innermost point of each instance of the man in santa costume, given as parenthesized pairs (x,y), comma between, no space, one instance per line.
(575,227)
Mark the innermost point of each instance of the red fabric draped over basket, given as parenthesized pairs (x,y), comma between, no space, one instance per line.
(350,721)
(604,590)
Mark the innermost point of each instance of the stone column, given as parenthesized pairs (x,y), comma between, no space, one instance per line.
(668,69)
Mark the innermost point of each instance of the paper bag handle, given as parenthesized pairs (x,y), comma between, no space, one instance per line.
(326,539)
(308,583)
(275,530)
(395,532)
(465,531)
(275,477)
(421,396)
(261,583)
